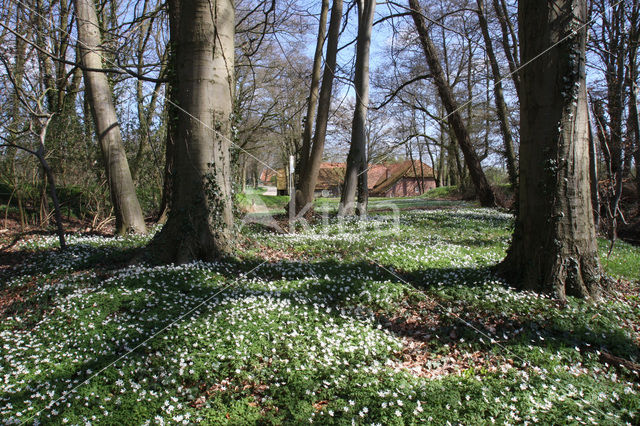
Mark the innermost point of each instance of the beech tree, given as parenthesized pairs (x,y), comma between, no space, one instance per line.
(129,217)
(355,179)
(554,247)
(309,171)
(200,219)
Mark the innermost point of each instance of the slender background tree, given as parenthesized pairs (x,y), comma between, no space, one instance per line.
(355,180)
(129,217)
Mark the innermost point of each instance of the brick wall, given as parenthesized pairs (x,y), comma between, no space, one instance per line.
(407,187)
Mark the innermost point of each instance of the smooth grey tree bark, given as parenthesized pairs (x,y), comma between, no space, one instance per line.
(355,180)
(129,217)
(309,175)
(554,248)
(200,218)
(487,198)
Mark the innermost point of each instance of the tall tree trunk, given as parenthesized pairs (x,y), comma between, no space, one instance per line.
(602,132)
(634,122)
(469,81)
(16,122)
(554,248)
(501,105)
(144,115)
(508,35)
(615,68)
(18,77)
(436,167)
(413,164)
(23,218)
(172,115)
(40,154)
(593,176)
(44,203)
(456,173)
(309,176)
(312,106)
(44,61)
(243,174)
(50,84)
(127,209)
(56,203)
(444,153)
(356,173)
(165,203)
(200,222)
(634,117)
(421,180)
(87,135)
(478,177)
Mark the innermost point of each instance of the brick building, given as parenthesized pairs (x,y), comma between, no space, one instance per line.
(401,179)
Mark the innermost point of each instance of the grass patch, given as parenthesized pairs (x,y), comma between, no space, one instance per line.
(624,260)
(442,192)
(252,201)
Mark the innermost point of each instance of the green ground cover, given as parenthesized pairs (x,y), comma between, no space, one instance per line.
(255,200)
(397,320)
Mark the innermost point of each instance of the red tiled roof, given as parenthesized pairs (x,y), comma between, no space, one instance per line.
(332,174)
(399,171)
(418,170)
(378,175)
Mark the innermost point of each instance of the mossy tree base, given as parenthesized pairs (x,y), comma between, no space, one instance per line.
(554,248)
(200,218)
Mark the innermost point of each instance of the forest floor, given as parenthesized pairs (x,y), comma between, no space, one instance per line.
(396,320)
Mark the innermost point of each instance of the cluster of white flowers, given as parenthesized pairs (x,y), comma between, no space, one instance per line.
(316,325)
